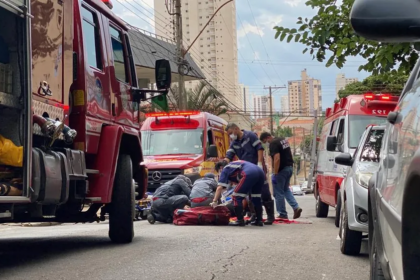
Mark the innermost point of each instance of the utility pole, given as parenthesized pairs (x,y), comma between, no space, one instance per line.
(313,150)
(294,153)
(180,56)
(270,88)
(244,100)
(304,154)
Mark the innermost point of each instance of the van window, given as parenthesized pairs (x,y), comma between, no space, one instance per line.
(91,39)
(118,51)
(209,138)
(340,133)
(333,127)
(358,124)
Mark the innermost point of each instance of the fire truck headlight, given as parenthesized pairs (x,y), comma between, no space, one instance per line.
(192,170)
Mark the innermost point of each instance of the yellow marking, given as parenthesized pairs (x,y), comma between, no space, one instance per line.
(79,146)
(79,97)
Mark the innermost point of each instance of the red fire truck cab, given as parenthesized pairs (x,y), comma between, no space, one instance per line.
(69,115)
(346,122)
(187,143)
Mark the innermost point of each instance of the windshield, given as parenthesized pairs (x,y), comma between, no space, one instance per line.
(372,147)
(171,142)
(358,124)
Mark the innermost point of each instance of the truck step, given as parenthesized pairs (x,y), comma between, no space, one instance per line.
(94,198)
(92,171)
(6,214)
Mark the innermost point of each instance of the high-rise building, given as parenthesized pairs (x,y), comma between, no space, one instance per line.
(304,95)
(215,50)
(341,81)
(284,103)
(261,106)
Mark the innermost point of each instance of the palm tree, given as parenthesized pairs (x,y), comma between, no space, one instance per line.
(203,98)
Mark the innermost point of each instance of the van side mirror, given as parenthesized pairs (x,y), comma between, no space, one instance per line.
(331,143)
(212,151)
(389,161)
(344,159)
(386,20)
(163,74)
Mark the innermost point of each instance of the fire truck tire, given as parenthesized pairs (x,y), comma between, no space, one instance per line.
(350,241)
(338,209)
(321,208)
(122,209)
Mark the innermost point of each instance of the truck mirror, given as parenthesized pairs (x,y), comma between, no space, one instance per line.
(212,151)
(344,159)
(163,74)
(389,161)
(331,143)
(386,21)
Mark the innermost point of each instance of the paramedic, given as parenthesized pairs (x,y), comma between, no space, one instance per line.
(282,159)
(249,180)
(203,190)
(246,146)
(167,198)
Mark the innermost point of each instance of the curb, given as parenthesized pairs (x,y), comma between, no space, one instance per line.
(43,224)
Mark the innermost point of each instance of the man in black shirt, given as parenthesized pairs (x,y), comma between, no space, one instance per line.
(282,159)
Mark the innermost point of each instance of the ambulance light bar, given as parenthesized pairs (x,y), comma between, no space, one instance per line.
(108,3)
(172,114)
(380,97)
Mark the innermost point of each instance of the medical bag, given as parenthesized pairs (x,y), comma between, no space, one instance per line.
(205,215)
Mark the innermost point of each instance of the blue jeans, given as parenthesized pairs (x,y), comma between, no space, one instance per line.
(282,191)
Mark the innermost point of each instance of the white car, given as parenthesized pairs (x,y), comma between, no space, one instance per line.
(305,187)
(296,190)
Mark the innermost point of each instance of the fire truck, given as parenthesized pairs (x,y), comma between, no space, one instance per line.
(69,109)
(343,127)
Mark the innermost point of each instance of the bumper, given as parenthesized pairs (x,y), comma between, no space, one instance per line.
(357,204)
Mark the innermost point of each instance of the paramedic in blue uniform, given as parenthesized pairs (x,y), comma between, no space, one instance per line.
(246,146)
(249,180)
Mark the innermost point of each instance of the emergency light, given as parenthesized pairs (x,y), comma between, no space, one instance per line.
(380,97)
(108,3)
(171,114)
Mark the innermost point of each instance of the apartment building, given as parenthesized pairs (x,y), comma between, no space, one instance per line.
(284,103)
(215,51)
(305,95)
(261,106)
(341,81)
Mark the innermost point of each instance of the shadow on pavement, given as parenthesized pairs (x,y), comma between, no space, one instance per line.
(20,252)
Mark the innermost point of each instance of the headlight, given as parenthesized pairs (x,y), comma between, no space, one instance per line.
(192,170)
(363,179)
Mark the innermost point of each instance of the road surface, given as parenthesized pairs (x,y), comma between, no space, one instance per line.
(160,251)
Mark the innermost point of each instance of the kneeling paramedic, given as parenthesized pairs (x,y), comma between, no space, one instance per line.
(203,190)
(249,180)
(167,198)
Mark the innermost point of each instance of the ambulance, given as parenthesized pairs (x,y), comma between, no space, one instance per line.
(343,127)
(182,143)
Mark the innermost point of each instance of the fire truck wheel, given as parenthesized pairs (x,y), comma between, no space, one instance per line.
(321,209)
(338,209)
(121,213)
(351,241)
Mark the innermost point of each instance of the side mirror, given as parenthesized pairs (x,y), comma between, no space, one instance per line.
(212,151)
(344,159)
(331,143)
(163,74)
(386,20)
(389,161)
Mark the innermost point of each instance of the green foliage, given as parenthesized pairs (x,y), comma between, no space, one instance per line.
(283,132)
(328,36)
(203,98)
(320,124)
(391,82)
(305,145)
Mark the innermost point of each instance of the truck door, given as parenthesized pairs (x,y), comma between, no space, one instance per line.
(336,172)
(97,75)
(328,162)
(122,77)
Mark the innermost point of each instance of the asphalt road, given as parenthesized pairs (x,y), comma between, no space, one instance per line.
(280,252)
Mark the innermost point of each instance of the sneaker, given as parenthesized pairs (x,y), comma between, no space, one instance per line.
(257,223)
(282,217)
(297,213)
(151,219)
(240,223)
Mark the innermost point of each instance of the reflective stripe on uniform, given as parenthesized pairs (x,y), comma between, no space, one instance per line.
(240,194)
(231,150)
(223,185)
(256,143)
(236,147)
(256,195)
(233,165)
(265,182)
(245,142)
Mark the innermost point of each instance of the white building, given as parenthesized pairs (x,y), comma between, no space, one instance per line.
(284,103)
(215,51)
(261,106)
(341,81)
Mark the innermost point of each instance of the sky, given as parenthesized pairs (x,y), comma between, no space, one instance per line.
(262,60)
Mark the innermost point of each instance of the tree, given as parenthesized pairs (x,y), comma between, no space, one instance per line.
(283,132)
(203,97)
(329,33)
(383,83)
(305,145)
(320,124)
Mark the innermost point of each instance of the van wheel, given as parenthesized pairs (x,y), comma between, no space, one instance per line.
(321,209)
(121,212)
(351,241)
(338,209)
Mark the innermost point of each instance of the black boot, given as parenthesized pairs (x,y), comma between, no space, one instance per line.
(269,208)
(240,221)
(258,213)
